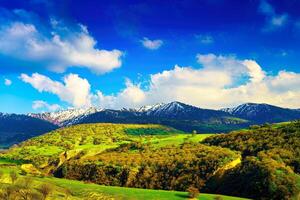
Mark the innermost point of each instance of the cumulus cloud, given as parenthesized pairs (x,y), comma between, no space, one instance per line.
(42,105)
(56,46)
(151,44)
(222,81)
(7,82)
(73,90)
(273,19)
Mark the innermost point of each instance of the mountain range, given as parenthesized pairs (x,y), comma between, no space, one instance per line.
(15,128)
(181,116)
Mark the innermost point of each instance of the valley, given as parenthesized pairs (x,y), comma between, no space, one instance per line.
(108,160)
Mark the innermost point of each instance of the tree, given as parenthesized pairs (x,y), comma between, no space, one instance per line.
(45,190)
(13,176)
(193,192)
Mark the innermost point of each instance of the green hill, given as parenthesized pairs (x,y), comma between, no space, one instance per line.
(29,187)
(121,154)
(49,151)
(259,163)
(271,161)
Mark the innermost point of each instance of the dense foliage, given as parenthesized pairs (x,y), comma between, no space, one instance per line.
(280,142)
(95,138)
(271,159)
(136,165)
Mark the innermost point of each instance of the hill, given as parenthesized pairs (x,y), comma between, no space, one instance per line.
(28,186)
(270,165)
(259,163)
(87,139)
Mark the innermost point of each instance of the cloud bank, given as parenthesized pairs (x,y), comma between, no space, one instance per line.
(220,81)
(57,46)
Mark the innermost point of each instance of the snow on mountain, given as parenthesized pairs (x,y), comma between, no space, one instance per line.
(168,109)
(250,109)
(262,113)
(149,107)
(61,117)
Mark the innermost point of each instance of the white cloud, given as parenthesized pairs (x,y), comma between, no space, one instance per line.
(273,19)
(74,90)
(151,44)
(222,81)
(7,82)
(40,105)
(57,47)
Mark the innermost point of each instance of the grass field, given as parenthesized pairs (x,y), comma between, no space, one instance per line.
(79,190)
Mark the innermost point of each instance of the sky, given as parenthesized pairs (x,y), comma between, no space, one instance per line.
(126,54)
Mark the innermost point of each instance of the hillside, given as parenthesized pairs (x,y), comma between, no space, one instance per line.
(123,152)
(86,137)
(28,186)
(270,165)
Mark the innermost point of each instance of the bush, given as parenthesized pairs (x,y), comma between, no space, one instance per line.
(193,192)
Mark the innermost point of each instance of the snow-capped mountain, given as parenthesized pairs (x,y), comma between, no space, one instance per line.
(15,128)
(179,110)
(65,117)
(262,113)
(149,108)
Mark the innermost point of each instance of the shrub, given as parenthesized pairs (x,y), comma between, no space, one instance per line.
(193,192)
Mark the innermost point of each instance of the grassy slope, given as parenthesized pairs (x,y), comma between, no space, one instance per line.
(82,190)
(92,139)
(110,136)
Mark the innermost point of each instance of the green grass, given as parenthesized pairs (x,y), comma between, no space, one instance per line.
(7,161)
(92,139)
(176,140)
(123,193)
(81,190)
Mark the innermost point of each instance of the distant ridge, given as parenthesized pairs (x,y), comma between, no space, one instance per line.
(15,128)
(262,113)
(181,116)
(250,112)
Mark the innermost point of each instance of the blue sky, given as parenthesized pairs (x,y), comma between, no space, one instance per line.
(114,54)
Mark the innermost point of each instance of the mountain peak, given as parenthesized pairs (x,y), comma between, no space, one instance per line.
(262,112)
(61,116)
